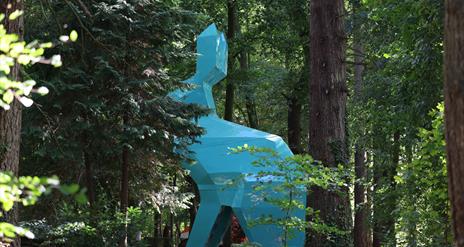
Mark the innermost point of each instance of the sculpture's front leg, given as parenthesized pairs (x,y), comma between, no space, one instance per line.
(211,221)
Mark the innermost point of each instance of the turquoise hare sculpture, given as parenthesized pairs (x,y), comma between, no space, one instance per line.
(215,167)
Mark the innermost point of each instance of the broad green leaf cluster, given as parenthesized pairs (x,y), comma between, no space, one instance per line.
(16,52)
(26,190)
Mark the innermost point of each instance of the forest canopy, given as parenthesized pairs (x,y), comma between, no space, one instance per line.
(354,87)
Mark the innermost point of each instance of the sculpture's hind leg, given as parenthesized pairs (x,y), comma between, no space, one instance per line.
(264,235)
(211,222)
(252,210)
(272,235)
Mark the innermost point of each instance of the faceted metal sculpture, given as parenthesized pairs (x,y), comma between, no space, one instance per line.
(215,167)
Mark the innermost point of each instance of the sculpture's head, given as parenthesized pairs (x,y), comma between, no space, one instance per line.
(211,68)
(212,57)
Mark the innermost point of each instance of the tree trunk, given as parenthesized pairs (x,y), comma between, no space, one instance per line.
(294,124)
(377,228)
(294,102)
(396,152)
(89,181)
(454,112)
(249,99)
(157,229)
(360,218)
(167,235)
(124,194)
(386,196)
(251,112)
(369,193)
(171,236)
(361,227)
(10,121)
(195,200)
(231,30)
(328,93)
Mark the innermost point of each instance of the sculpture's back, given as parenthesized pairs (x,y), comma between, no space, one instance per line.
(215,167)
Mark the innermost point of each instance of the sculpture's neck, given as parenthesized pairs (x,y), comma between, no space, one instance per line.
(201,95)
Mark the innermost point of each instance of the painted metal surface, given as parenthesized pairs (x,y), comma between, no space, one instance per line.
(214,167)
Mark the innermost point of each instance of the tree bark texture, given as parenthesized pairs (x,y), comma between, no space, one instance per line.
(328,95)
(195,200)
(454,112)
(230,87)
(157,229)
(125,180)
(249,98)
(124,192)
(379,163)
(294,124)
(10,121)
(361,224)
(295,100)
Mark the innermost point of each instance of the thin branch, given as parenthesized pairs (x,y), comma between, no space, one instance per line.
(85,9)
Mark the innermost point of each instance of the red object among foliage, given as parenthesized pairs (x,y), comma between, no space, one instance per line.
(237,234)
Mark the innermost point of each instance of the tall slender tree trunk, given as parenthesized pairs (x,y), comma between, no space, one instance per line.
(88,165)
(10,121)
(396,152)
(294,101)
(294,114)
(328,94)
(377,217)
(89,179)
(170,241)
(195,200)
(157,229)
(386,196)
(361,226)
(298,94)
(124,193)
(369,201)
(294,124)
(249,99)
(231,31)
(454,112)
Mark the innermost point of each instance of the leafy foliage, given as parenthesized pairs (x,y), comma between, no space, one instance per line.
(15,51)
(425,209)
(102,84)
(76,227)
(110,94)
(25,190)
(290,176)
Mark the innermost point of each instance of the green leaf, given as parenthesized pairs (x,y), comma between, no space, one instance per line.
(17,13)
(8,96)
(56,61)
(73,36)
(46,45)
(69,189)
(81,198)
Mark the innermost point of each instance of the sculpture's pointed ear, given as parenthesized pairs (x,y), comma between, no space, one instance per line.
(212,56)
